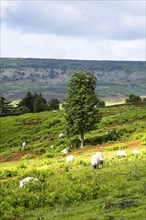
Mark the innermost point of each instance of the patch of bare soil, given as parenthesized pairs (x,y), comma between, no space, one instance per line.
(129,143)
(14,156)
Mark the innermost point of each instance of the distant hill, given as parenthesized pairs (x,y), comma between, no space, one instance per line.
(115,79)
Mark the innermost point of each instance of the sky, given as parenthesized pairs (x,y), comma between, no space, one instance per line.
(80,30)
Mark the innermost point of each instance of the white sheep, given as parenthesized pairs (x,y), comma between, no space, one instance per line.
(61,135)
(52,147)
(54,110)
(24,144)
(64,151)
(26,180)
(136,152)
(97,159)
(121,153)
(70,158)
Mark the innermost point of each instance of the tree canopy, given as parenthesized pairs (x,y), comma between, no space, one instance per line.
(81,113)
(5,106)
(34,103)
(133,99)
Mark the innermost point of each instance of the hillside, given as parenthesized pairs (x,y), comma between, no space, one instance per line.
(74,190)
(115,79)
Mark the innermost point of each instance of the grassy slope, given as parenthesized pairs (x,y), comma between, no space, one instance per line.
(73,191)
(115,78)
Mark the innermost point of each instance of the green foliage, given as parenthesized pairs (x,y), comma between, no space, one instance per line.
(133,99)
(28,157)
(53,104)
(50,76)
(101,103)
(40,150)
(35,103)
(73,191)
(5,106)
(117,147)
(8,173)
(63,188)
(75,143)
(39,104)
(81,113)
(22,110)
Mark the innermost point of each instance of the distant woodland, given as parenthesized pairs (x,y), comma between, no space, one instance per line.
(115,79)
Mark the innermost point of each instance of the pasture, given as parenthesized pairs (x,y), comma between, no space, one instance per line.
(73,190)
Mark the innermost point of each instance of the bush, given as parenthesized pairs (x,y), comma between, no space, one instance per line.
(40,150)
(48,155)
(133,99)
(117,147)
(75,143)
(8,173)
(28,157)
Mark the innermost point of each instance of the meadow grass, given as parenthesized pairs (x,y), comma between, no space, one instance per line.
(71,190)
(74,190)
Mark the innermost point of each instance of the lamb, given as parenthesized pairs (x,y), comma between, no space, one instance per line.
(24,144)
(61,135)
(136,152)
(26,180)
(70,158)
(97,159)
(64,151)
(121,153)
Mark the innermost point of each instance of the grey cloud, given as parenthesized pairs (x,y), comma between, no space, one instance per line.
(99,19)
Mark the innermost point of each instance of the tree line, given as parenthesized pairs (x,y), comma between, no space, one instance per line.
(31,103)
(80,105)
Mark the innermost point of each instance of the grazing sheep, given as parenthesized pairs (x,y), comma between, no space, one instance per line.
(24,144)
(70,158)
(64,151)
(54,110)
(26,180)
(97,159)
(136,152)
(52,147)
(121,153)
(61,135)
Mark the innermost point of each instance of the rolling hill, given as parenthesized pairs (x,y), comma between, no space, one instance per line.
(73,190)
(115,79)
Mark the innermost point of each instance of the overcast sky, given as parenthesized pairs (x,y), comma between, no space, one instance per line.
(87,30)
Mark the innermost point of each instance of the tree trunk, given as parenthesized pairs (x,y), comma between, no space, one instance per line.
(82,140)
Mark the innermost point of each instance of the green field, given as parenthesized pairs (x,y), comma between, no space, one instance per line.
(73,190)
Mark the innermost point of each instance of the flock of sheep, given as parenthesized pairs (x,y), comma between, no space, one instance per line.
(96,159)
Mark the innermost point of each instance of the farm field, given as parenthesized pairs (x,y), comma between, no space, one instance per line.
(74,190)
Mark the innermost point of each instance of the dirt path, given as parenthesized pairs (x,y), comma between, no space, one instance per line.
(129,143)
(14,156)
(18,155)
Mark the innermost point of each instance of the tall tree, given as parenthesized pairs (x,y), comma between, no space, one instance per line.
(81,113)
(39,103)
(53,104)
(5,106)
(27,101)
(133,99)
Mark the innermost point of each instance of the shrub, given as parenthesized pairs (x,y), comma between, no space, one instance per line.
(48,155)
(75,143)
(8,173)
(40,150)
(28,157)
(117,147)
